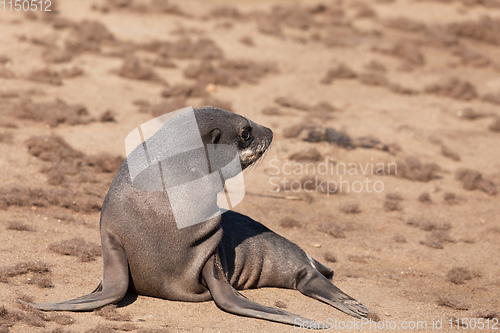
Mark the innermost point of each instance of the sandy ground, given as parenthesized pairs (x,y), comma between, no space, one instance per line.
(374,83)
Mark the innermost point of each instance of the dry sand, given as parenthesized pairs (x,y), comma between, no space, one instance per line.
(368,82)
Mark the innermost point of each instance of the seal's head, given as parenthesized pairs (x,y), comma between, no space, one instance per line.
(220,127)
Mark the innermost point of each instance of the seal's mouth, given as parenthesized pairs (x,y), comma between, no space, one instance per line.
(251,155)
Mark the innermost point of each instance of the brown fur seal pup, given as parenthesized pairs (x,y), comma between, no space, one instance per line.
(144,249)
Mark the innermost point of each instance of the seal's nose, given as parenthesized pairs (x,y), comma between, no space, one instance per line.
(268,134)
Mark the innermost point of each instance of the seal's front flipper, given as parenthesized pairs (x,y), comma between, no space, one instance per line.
(318,287)
(83,303)
(98,288)
(230,300)
(112,287)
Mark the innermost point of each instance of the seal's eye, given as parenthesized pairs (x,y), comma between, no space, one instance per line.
(245,135)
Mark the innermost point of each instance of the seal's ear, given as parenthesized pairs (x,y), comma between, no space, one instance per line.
(216,133)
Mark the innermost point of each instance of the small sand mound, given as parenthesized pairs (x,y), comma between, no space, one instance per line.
(77,247)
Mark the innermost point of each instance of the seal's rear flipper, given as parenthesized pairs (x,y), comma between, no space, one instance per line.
(230,300)
(325,271)
(112,287)
(318,287)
